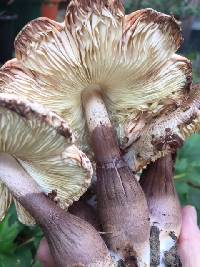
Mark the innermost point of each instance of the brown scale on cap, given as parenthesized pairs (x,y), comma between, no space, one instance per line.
(148,15)
(31,109)
(187,69)
(112,5)
(35,30)
(167,132)
(52,196)
(169,142)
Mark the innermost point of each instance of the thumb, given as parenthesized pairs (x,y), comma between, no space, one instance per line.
(189,241)
(189,223)
(44,254)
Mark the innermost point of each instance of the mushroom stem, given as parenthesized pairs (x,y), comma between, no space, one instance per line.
(16,178)
(122,205)
(85,212)
(71,239)
(165,210)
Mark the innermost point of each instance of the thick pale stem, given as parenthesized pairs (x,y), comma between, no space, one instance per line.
(15,178)
(71,239)
(102,135)
(122,205)
(95,110)
(164,207)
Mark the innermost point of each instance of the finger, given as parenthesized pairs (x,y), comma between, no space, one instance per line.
(189,223)
(44,255)
(189,241)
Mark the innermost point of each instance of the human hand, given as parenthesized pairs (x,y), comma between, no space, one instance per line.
(188,245)
(44,254)
(189,240)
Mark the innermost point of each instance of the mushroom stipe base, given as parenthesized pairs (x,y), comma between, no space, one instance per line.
(71,239)
(122,206)
(155,246)
(165,211)
(117,211)
(171,258)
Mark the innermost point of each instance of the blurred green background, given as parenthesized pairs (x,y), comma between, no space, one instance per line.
(18,244)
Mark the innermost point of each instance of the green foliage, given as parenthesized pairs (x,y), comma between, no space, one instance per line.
(178,8)
(18,244)
(194,56)
(187,177)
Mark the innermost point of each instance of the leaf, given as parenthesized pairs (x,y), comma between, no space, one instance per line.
(191,148)
(8,261)
(188,173)
(21,258)
(182,187)
(24,256)
(8,233)
(181,165)
(37,264)
(194,197)
(18,243)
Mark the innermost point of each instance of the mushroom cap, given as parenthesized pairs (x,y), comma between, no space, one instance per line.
(130,59)
(166,133)
(43,144)
(5,200)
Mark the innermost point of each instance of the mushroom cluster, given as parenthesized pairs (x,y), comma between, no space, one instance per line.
(117,82)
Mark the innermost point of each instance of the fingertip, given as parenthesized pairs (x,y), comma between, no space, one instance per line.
(44,254)
(41,250)
(189,241)
(189,214)
(189,223)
